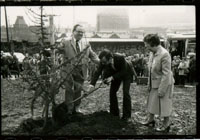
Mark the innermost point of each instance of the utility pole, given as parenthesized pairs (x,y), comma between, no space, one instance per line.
(42,23)
(8,40)
(10,44)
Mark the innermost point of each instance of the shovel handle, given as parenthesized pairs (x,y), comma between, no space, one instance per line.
(85,95)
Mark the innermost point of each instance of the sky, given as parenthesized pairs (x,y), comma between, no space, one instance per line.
(139,16)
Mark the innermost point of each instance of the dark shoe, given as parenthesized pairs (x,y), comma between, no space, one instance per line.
(164,129)
(77,111)
(149,123)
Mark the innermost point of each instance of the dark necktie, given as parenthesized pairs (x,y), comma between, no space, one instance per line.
(77,47)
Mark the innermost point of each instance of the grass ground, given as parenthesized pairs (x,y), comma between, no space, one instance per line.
(15,108)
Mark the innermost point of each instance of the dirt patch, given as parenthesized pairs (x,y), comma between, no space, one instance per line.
(95,120)
(98,123)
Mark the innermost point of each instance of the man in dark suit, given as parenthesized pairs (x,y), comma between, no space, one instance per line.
(115,69)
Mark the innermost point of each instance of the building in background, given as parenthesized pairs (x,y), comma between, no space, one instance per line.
(21,30)
(113,20)
(21,35)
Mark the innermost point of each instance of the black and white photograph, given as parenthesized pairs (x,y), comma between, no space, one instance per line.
(98,70)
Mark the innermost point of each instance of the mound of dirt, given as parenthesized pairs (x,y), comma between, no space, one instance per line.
(98,123)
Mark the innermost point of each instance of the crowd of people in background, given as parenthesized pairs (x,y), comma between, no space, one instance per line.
(140,63)
(184,69)
(10,65)
(35,63)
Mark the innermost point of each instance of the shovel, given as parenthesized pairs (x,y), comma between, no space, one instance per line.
(60,113)
(86,93)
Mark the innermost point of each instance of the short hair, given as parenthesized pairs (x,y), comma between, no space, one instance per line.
(152,39)
(75,26)
(105,53)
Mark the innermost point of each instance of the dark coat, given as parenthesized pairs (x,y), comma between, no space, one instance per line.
(122,70)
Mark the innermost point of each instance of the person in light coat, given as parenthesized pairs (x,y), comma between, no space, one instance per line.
(183,71)
(77,70)
(161,82)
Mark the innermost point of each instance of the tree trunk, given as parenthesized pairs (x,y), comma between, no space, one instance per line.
(46,114)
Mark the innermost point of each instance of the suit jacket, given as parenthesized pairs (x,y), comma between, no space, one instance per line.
(68,49)
(120,71)
(160,70)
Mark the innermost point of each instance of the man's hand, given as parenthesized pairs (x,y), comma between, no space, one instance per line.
(90,88)
(108,80)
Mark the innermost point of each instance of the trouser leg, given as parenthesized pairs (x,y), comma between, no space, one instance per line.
(126,99)
(77,91)
(69,94)
(78,83)
(113,97)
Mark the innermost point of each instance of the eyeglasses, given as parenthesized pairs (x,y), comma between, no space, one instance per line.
(80,32)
